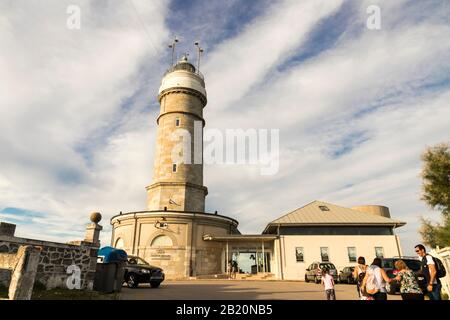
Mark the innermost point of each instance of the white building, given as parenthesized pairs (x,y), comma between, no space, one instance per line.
(316,232)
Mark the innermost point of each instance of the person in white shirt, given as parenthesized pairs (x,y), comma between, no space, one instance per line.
(328,283)
(429,272)
(374,283)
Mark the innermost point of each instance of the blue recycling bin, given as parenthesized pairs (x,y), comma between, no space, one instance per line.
(110,269)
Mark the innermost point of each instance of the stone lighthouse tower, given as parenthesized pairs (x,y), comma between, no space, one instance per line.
(178,169)
(171,233)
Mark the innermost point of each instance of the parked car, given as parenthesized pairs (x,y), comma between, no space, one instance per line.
(137,271)
(346,275)
(314,271)
(412,263)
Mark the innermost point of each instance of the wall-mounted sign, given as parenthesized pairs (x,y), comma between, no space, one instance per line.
(160,256)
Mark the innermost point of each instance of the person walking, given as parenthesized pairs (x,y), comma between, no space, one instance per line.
(409,287)
(229,268)
(358,274)
(235,268)
(374,283)
(328,282)
(429,271)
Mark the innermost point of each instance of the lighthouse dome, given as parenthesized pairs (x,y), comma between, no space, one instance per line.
(183,75)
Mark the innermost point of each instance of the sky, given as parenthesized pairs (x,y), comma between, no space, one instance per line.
(355,107)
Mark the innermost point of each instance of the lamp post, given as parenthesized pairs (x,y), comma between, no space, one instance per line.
(172,46)
(199,51)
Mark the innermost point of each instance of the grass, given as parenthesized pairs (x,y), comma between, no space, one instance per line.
(40,293)
(67,294)
(3,291)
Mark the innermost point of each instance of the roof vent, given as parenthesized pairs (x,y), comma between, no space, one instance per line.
(324,208)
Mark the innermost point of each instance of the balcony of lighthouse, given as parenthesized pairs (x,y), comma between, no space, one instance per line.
(177,214)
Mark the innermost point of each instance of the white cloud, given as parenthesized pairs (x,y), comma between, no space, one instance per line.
(70,90)
(239,63)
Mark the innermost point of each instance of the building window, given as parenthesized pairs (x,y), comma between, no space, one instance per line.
(119,244)
(324,254)
(177,122)
(174,167)
(162,241)
(351,254)
(324,208)
(379,252)
(299,254)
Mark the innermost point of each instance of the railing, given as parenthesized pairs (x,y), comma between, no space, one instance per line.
(184,66)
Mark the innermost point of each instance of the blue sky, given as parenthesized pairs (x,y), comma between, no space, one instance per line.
(355,107)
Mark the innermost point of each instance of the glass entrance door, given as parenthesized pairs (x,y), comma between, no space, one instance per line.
(251,262)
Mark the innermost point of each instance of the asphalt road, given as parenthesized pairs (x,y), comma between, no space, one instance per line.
(239,290)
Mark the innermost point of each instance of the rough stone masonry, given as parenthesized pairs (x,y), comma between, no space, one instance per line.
(54,257)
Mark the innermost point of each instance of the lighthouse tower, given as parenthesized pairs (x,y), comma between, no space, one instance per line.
(177,176)
(171,232)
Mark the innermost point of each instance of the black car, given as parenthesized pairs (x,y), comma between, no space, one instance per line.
(137,271)
(414,264)
(346,275)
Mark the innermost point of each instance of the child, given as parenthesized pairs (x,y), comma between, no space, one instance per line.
(328,282)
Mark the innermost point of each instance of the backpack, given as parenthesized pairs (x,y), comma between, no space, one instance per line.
(440,269)
(371,283)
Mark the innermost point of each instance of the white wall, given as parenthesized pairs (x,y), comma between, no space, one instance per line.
(444,255)
(337,248)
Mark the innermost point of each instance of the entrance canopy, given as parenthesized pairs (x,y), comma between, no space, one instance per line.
(250,253)
(241,238)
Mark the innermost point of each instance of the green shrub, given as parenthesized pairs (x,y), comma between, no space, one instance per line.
(444,296)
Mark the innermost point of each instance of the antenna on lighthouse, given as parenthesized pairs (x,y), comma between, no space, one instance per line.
(200,51)
(172,46)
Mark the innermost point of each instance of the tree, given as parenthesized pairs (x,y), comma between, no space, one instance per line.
(428,232)
(436,177)
(436,193)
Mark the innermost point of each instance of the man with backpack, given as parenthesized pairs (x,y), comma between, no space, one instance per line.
(432,269)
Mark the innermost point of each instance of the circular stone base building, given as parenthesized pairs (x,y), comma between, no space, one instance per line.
(173,240)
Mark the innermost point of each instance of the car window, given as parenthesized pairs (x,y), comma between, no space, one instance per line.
(327,265)
(414,265)
(388,263)
(137,261)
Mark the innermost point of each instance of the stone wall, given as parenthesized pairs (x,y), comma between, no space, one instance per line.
(188,255)
(55,258)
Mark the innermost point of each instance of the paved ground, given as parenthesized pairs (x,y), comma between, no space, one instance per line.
(239,290)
